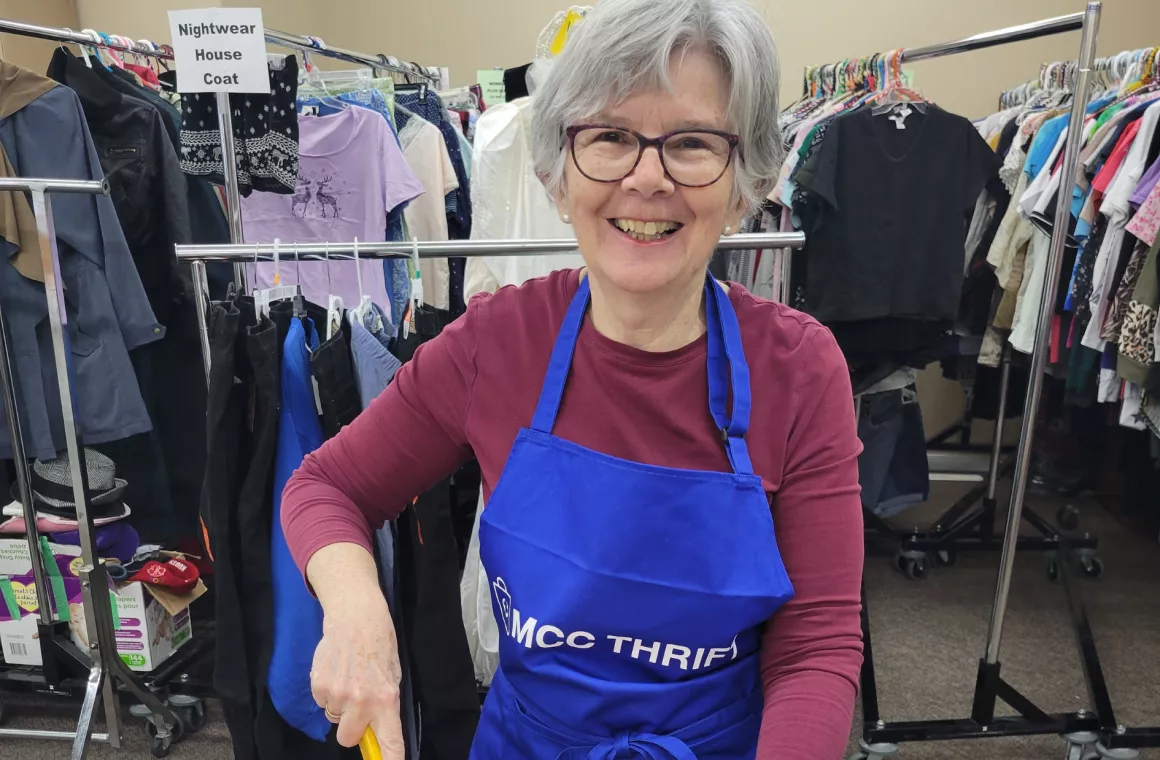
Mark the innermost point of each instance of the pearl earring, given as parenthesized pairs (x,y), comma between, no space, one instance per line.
(566,218)
(728,229)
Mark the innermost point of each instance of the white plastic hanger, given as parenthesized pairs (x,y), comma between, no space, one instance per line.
(333,302)
(266,296)
(417,281)
(364,302)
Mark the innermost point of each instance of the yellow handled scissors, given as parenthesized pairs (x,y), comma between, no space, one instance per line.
(369,746)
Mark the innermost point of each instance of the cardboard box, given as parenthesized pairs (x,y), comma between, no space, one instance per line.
(149,627)
(15,560)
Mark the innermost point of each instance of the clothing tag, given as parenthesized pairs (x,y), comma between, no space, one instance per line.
(899,116)
(317,398)
(308,111)
(417,290)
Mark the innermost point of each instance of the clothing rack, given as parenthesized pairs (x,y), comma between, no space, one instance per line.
(1081,729)
(101,666)
(248,253)
(315,46)
(58,34)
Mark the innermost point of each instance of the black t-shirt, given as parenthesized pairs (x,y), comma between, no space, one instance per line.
(886,228)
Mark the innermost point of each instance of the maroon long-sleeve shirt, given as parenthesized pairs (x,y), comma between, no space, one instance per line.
(468,392)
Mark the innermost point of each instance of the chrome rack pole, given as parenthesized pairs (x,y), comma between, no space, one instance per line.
(1091,25)
(20,462)
(1000,418)
(230,175)
(91,569)
(233,217)
(105,663)
(249,252)
(297,42)
(57,34)
(1068,23)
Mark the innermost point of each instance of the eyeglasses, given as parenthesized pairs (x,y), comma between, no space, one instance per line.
(690,157)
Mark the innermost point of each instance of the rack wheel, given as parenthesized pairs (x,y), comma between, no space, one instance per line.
(176,732)
(947,557)
(1067,517)
(912,564)
(1053,569)
(1093,567)
(873,751)
(160,747)
(190,711)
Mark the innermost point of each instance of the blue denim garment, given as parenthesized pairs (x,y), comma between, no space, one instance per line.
(892,469)
(374,365)
(108,311)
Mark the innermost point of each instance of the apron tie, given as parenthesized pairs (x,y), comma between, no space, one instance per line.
(649,746)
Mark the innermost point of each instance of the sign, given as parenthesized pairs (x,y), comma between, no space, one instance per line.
(219,50)
(491,81)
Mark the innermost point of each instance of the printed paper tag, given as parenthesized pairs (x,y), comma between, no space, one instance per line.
(220,50)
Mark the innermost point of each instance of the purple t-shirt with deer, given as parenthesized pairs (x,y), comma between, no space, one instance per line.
(351,172)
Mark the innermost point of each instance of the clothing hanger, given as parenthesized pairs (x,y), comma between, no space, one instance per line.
(364,302)
(896,96)
(333,302)
(298,302)
(114,56)
(266,296)
(94,49)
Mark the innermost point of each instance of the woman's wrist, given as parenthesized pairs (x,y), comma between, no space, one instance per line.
(346,580)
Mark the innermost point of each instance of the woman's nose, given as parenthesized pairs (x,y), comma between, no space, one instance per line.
(649,177)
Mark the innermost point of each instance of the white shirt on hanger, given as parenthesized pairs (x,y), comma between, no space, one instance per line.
(508,201)
(426,216)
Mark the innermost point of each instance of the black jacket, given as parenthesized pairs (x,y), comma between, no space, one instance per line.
(145,180)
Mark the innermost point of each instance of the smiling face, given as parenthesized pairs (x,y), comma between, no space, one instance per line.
(645,233)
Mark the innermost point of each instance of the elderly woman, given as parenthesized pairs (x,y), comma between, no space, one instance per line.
(672,530)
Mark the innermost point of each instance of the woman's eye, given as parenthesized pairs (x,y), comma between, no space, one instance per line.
(691,143)
(610,137)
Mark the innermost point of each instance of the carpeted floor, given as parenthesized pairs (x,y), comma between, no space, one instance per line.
(928,637)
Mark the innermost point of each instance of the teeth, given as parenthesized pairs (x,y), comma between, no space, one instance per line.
(645,230)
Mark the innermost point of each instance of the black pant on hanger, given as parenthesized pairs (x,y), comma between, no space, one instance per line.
(227,440)
(443,673)
(333,370)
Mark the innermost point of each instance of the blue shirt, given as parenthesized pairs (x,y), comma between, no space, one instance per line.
(297,614)
(1044,144)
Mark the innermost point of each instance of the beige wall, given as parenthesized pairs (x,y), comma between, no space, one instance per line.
(30,52)
(467,35)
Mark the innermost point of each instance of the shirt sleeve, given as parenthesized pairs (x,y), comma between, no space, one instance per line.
(981,169)
(818,176)
(401,182)
(409,438)
(450,180)
(811,650)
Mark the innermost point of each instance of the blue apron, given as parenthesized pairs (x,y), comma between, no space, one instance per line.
(630,597)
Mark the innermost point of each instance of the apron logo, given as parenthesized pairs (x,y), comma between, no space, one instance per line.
(503,600)
(534,634)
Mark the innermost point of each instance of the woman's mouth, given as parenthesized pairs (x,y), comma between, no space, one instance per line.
(646,232)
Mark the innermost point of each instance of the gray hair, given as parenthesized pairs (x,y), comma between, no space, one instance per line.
(625,46)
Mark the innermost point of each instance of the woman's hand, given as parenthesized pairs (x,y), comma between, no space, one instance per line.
(356,671)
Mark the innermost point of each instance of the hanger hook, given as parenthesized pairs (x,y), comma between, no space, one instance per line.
(358,270)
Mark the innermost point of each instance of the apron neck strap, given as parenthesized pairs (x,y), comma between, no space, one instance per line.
(552,392)
(727,370)
(727,360)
